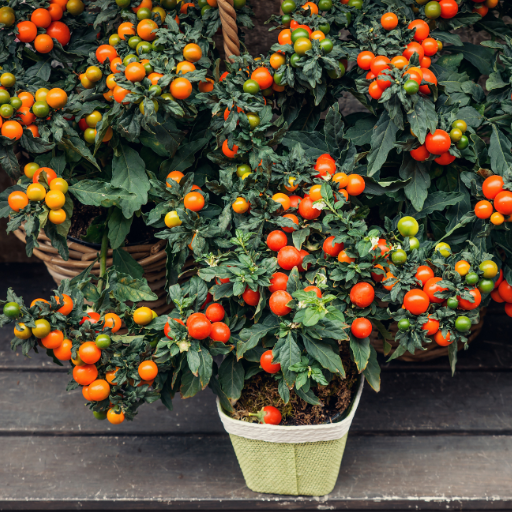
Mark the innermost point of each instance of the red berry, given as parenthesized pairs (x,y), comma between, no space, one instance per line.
(272,415)
(276,240)
(279,281)
(314,289)
(361,328)
(220,332)
(199,327)
(251,298)
(267,364)
(289,257)
(331,248)
(362,294)
(215,312)
(278,303)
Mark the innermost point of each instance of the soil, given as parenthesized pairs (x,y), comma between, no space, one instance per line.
(83,216)
(262,390)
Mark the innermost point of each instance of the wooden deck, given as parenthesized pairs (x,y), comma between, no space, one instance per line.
(428,441)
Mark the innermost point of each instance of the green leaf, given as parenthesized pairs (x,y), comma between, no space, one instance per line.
(423,118)
(129,173)
(9,162)
(184,158)
(308,397)
(299,236)
(325,355)
(499,151)
(495,81)
(76,146)
(495,26)
(118,228)
(449,61)
(480,56)
(127,288)
(287,353)
(126,264)
(250,336)
(361,351)
(97,193)
(35,145)
(436,201)
(452,356)
(333,129)
(463,19)
(205,367)
(58,241)
(40,70)
(294,283)
(231,377)
(312,142)
(193,360)
(472,117)
(446,37)
(372,370)
(383,141)
(284,392)
(417,188)
(361,133)
(166,394)
(224,401)
(190,384)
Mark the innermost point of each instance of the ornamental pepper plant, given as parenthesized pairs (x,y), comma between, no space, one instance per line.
(297,235)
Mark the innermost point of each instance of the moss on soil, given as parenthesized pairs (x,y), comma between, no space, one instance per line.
(262,390)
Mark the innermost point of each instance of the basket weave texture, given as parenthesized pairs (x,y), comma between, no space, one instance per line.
(302,460)
(306,468)
(432,350)
(152,258)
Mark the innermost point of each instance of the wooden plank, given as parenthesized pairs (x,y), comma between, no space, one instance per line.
(201,473)
(28,280)
(411,403)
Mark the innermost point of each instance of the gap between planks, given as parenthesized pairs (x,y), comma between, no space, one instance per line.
(200,435)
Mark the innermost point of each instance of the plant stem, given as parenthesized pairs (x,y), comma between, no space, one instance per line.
(103,253)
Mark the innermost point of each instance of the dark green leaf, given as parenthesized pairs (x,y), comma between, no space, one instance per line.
(383,141)
(118,228)
(231,377)
(372,370)
(124,263)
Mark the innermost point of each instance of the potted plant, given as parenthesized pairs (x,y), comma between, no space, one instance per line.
(286,231)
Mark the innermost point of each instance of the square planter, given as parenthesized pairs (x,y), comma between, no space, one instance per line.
(290,460)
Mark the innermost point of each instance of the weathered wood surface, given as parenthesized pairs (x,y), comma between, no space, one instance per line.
(201,473)
(427,441)
(422,403)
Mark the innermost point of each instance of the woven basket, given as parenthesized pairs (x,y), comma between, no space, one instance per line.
(304,460)
(152,258)
(432,350)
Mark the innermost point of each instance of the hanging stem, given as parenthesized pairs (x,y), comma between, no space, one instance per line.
(103,253)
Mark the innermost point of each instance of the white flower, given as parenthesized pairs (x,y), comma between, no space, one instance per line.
(301,304)
(397,246)
(375,242)
(56,64)
(183,346)
(319,205)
